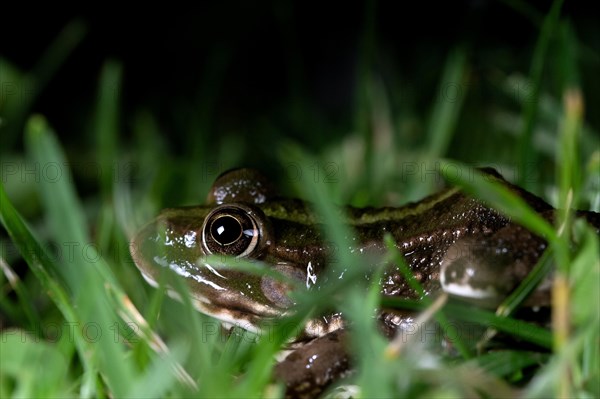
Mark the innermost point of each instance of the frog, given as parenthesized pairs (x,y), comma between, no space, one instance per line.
(452,243)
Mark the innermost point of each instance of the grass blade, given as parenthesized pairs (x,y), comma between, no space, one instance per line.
(446,109)
(41,265)
(528,157)
(84,270)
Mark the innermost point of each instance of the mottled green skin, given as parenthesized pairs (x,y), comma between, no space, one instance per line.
(424,232)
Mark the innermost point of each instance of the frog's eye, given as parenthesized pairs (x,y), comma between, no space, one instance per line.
(234,229)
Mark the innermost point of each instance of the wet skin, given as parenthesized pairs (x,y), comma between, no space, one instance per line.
(450,241)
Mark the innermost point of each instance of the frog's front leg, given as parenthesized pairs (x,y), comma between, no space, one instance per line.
(308,370)
(486,269)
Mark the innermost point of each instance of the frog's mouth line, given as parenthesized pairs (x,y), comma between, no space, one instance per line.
(246,319)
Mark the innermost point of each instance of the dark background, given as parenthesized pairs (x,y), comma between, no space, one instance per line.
(246,64)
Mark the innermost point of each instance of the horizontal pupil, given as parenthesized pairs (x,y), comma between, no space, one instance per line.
(226,230)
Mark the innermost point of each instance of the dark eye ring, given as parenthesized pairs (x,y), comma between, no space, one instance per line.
(235,229)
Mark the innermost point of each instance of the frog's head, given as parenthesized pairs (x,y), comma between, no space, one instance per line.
(233,224)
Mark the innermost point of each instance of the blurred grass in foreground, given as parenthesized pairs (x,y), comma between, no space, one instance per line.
(84,323)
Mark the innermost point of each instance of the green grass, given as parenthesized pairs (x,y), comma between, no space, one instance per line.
(81,322)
